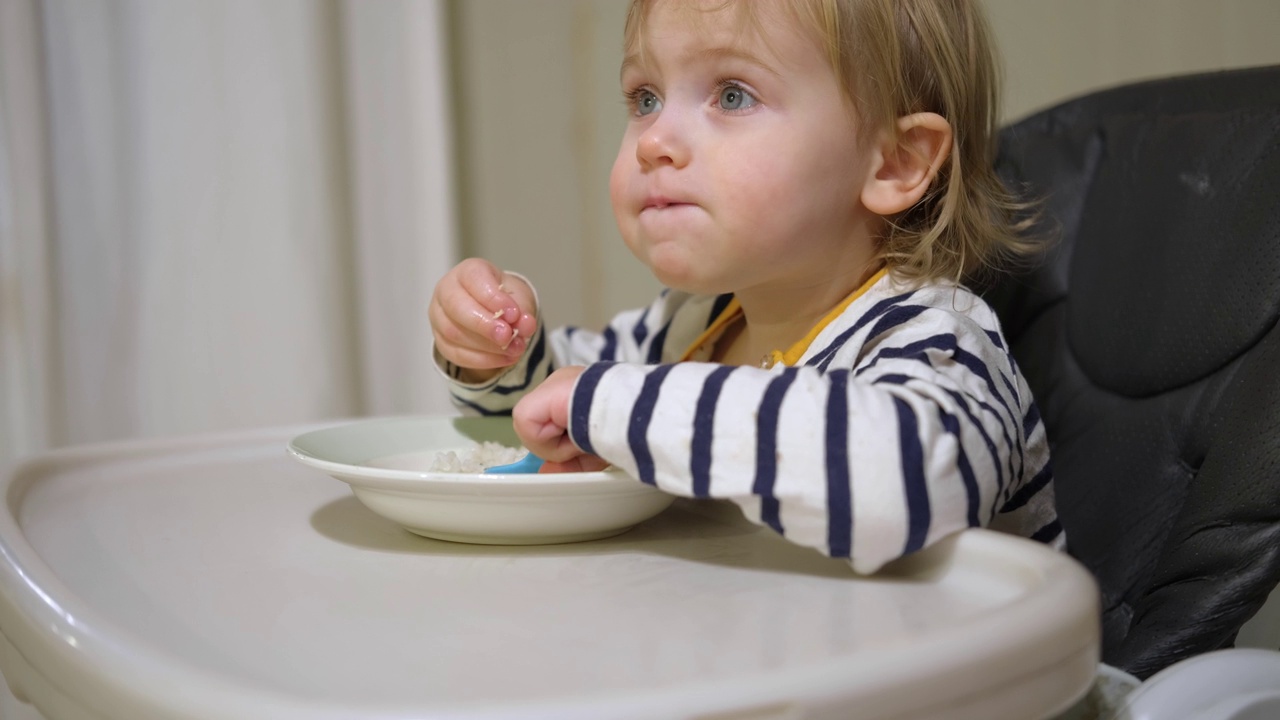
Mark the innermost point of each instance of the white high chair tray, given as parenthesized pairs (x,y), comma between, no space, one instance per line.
(214,577)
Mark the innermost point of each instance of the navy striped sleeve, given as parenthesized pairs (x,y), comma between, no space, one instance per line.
(610,350)
(1049,532)
(703,428)
(914,486)
(641,416)
(971,493)
(1031,419)
(839,491)
(767,448)
(536,353)
(478,408)
(580,405)
(1030,490)
(870,450)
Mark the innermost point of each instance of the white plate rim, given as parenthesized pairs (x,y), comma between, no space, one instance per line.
(609,481)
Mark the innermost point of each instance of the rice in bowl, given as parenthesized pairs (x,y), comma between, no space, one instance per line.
(475,458)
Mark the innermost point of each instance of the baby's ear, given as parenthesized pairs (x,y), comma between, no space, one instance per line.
(905,162)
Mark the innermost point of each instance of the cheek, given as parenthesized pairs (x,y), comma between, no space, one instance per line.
(617,196)
(620,197)
(619,179)
(826,175)
(786,195)
(764,194)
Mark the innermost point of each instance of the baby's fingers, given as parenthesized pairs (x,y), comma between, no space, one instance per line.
(522,293)
(541,418)
(485,284)
(581,463)
(467,334)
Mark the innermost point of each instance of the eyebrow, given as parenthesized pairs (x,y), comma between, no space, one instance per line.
(704,55)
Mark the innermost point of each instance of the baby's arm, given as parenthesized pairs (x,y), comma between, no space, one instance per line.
(918,438)
(489,342)
(634,336)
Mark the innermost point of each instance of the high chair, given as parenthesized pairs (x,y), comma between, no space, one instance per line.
(1148,335)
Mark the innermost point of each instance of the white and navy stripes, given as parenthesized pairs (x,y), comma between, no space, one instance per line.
(904,421)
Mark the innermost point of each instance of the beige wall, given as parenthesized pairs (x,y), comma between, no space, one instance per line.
(1054,49)
(539,118)
(540,114)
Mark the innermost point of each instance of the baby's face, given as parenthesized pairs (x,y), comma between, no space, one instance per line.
(741,167)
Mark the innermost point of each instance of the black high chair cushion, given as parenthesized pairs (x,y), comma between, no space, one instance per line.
(1149,337)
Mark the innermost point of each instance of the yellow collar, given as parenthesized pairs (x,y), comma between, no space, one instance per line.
(733,311)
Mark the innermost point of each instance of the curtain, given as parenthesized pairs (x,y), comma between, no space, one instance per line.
(218,215)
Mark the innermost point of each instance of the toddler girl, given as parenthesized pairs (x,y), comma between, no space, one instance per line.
(810,179)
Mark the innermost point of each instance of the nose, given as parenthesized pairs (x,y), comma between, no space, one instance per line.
(664,142)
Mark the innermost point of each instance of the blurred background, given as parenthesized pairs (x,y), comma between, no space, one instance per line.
(229,214)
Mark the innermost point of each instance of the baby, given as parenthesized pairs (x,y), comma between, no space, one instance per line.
(811,180)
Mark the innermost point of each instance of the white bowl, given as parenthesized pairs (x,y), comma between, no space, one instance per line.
(385,462)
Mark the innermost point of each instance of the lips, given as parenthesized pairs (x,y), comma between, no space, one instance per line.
(661,202)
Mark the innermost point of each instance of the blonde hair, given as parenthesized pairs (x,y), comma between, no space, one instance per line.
(899,57)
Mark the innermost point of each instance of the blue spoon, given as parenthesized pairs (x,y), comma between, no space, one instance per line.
(527,464)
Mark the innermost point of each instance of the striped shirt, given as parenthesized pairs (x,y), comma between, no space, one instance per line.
(901,420)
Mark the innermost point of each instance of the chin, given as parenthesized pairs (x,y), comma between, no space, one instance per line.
(672,266)
(685,281)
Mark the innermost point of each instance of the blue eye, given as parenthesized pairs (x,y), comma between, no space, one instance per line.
(647,102)
(733,97)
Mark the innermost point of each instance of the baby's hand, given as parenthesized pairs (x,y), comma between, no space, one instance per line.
(481,318)
(542,422)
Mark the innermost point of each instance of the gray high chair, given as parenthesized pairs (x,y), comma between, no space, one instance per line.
(1149,336)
